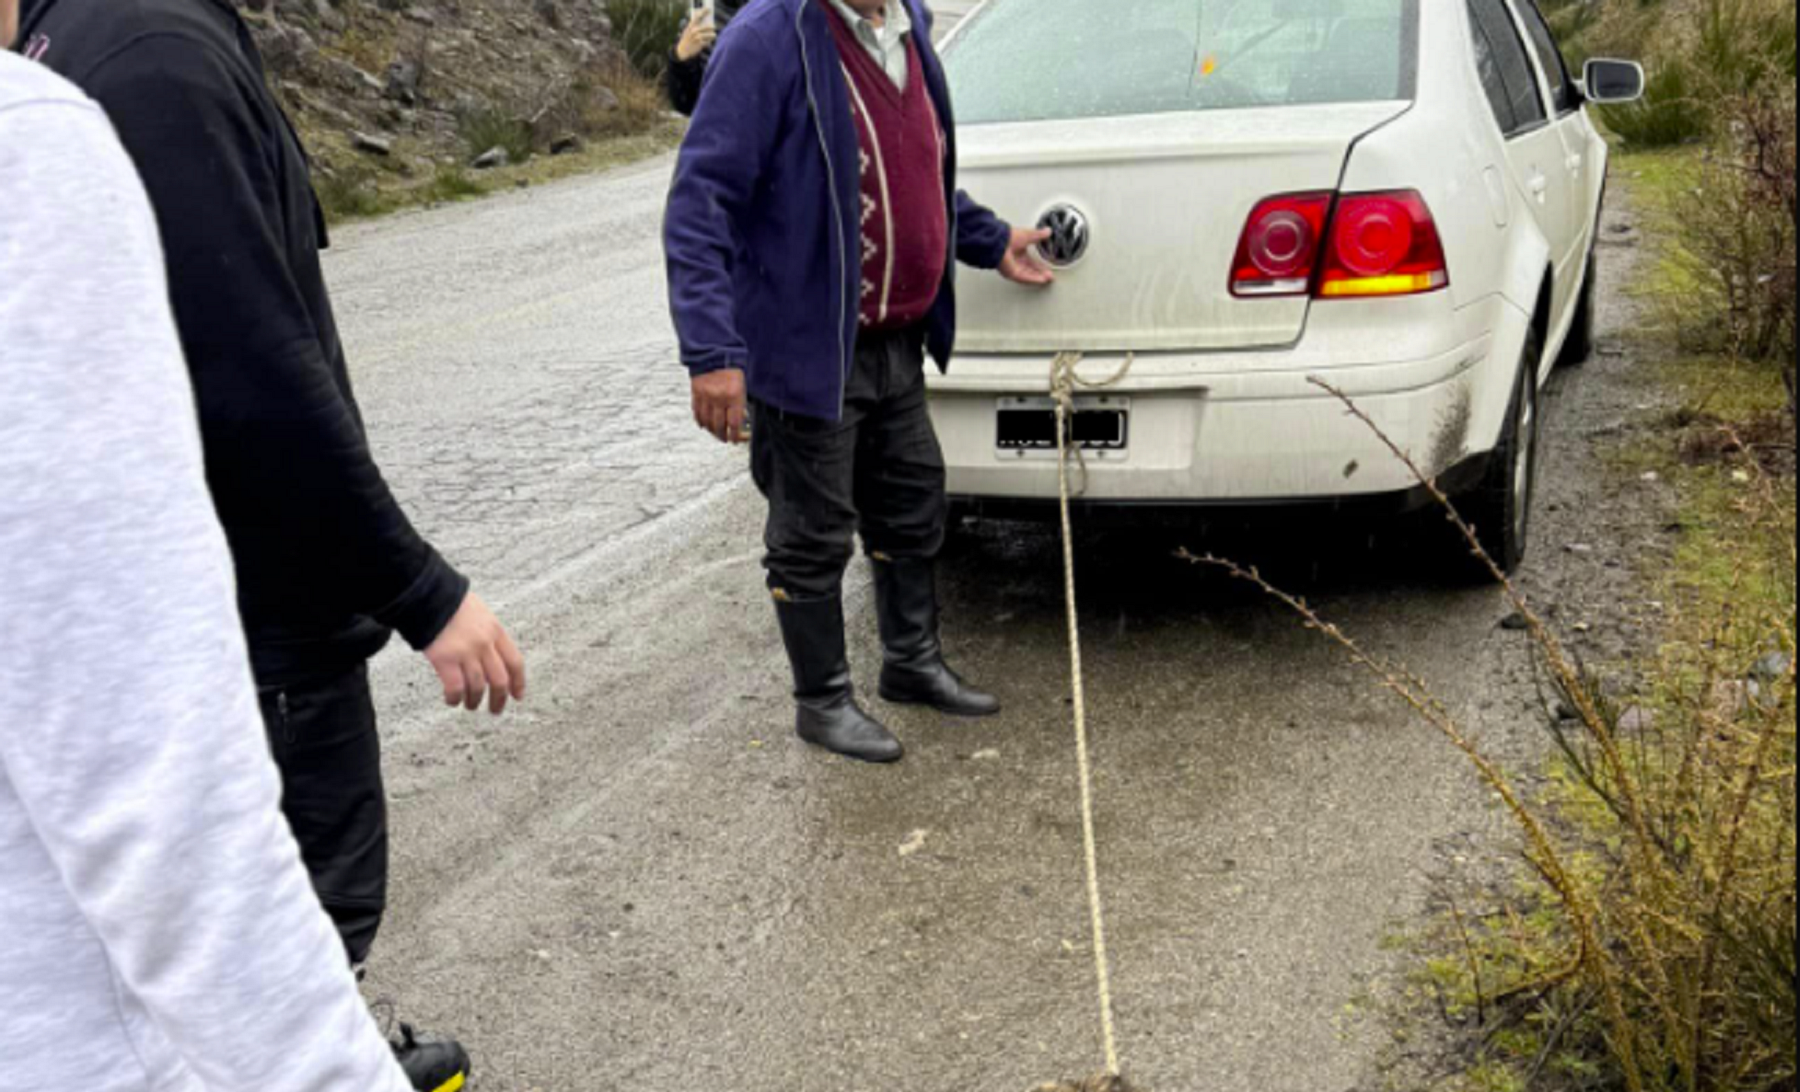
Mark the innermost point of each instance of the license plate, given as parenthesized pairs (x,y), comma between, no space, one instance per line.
(1029,424)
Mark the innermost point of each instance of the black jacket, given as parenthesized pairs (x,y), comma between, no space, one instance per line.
(685,78)
(327,563)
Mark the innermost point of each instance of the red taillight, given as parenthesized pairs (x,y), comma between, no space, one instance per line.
(1383,244)
(1279,252)
(1372,244)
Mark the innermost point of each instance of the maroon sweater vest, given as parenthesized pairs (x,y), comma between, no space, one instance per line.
(905,226)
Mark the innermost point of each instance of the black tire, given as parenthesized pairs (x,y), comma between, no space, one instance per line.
(1584,335)
(1500,507)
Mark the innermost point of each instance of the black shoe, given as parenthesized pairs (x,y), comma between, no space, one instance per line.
(829,716)
(432,1067)
(906,602)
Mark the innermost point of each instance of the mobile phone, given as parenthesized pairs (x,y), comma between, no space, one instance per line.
(706,12)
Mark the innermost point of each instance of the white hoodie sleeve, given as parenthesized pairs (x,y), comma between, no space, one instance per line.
(129,726)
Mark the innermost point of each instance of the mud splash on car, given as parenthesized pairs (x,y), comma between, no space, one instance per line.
(1450,439)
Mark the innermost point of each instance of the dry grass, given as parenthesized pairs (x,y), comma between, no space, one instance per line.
(1671,967)
(1103,1083)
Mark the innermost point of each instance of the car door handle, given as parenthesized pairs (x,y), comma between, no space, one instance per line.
(1540,186)
(1576,162)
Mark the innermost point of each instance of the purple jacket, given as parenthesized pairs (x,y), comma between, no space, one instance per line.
(764,215)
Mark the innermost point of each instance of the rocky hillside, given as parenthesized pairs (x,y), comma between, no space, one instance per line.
(398,95)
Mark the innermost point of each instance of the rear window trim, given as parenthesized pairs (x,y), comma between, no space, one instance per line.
(1544,118)
(1411,68)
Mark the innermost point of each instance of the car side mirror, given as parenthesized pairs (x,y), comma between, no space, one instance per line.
(1613,83)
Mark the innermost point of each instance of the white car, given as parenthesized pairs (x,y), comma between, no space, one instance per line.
(1399,197)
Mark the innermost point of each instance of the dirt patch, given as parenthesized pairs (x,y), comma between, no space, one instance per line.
(1767,438)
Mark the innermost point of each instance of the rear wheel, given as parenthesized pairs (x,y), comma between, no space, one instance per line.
(1500,508)
(1584,335)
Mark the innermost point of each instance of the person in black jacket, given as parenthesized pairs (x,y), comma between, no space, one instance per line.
(688,60)
(328,565)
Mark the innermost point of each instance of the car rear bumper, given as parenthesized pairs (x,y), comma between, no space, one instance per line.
(1237,430)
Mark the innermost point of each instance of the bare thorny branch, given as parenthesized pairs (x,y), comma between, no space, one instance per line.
(1417,693)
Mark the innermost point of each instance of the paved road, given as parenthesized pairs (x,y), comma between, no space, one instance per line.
(641,881)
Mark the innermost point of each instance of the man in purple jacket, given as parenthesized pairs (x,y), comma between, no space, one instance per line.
(813,234)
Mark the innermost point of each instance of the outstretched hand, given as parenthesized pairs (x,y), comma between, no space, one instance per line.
(1021,264)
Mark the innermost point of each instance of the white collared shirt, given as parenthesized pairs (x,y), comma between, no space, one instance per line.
(885,43)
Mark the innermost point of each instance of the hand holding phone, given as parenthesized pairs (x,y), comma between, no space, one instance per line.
(702,31)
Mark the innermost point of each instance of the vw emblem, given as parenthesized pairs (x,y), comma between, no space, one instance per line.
(1070,234)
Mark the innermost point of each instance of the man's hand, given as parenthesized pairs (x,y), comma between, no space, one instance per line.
(475,658)
(720,404)
(696,39)
(1021,264)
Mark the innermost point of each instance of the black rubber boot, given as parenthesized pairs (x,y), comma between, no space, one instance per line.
(906,601)
(829,716)
(434,1066)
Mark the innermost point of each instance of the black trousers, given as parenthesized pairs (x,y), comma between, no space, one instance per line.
(879,471)
(325,743)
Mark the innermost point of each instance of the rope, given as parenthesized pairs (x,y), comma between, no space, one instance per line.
(1065,380)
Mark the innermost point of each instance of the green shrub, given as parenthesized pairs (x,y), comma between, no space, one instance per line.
(485,129)
(350,193)
(647,30)
(451,184)
(1671,113)
(1746,44)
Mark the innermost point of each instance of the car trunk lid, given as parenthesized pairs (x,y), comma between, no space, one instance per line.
(1164,201)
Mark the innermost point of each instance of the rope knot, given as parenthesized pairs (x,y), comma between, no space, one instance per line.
(1065,382)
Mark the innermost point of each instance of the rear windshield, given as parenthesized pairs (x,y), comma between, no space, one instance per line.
(1044,60)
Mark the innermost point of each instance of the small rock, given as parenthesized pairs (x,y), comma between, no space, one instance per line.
(1516,622)
(1637,720)
(1773,667)
(1612,350)
(605,99)
(1580,548)
(568,144)
(402,81)
(422,16)
(1652,477)
(491,159)
(371,144)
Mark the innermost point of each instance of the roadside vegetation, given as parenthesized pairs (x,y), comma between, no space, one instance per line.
(1651,944)
(598,121)
(646,30)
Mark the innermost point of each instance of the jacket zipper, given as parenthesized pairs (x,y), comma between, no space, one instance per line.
(837,211)
(285,710)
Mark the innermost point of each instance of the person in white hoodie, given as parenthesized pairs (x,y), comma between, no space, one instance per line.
(158,932)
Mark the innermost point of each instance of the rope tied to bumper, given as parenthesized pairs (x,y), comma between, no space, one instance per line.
(1065,382)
